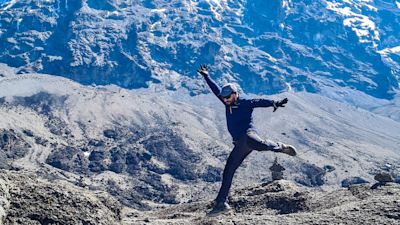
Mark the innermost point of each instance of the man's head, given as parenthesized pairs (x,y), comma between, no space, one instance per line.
(229,93)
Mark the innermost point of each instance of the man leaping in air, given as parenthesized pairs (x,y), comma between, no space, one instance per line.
(240,125)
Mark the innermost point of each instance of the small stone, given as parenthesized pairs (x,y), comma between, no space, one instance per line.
(28,133)
(383,177)
(110,134)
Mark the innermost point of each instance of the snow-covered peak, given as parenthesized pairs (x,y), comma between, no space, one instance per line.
(266,47)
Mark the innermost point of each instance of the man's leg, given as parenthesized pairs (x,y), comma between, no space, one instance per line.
(255,142)
(236,157)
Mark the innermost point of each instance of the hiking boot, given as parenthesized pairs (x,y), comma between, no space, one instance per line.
(219,208)
(288,149)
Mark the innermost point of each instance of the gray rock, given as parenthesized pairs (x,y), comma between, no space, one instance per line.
(96,143)
(110,134)
(28,133)
(33,201)
(63,158)
(329,168)
(12,144)
(383,177)
(41,141)
(314,175)
(352,181)
(212,174)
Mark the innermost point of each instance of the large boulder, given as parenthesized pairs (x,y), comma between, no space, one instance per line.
(352,181)
(33,201)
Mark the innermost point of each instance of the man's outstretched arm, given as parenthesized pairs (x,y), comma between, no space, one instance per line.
(211,83)
(268,103)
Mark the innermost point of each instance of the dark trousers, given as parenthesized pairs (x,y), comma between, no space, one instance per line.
(243,147)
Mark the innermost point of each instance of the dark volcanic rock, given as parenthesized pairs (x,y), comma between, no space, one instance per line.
(329,168)
(314,175)
(212,174)
(57,126)
(32,201)
(170,148)
(153,189)
(383,177)
(280,195)
(352,181)
(96,143)
(118,160)
(12,144)
(4,164)
(97,155)
(159,151)
(66,159)
(397,179)
(110,134)
(28,133)
(41,141)
(98,161)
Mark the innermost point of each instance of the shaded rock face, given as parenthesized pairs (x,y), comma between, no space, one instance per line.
(212,174)
(129,43)
(144,155)
(42,102)
(131,156)
(34,202)
(68,159)
(12,146)
(171,149)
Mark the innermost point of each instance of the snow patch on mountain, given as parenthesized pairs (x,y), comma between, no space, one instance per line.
(362,25)
(6,4)
(395,50)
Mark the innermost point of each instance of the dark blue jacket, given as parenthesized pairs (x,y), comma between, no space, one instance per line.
(239,115)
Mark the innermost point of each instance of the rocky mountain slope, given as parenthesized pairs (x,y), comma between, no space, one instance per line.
(170,147)
(75,154)
(27,199)
(282,202)
(266,47)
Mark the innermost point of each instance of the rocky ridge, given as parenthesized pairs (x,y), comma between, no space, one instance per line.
(282,202)
(144,149)
(266,47)
(27,199)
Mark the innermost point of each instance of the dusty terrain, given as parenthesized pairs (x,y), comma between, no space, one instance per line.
(25,199)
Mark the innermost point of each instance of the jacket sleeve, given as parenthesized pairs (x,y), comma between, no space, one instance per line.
(260,102)
(214,87)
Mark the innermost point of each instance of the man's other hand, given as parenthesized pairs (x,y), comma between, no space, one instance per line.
(280,103)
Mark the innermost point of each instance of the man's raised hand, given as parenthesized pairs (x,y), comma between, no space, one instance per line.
(203,70)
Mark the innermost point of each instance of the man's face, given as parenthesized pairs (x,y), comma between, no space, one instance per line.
(229,100)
